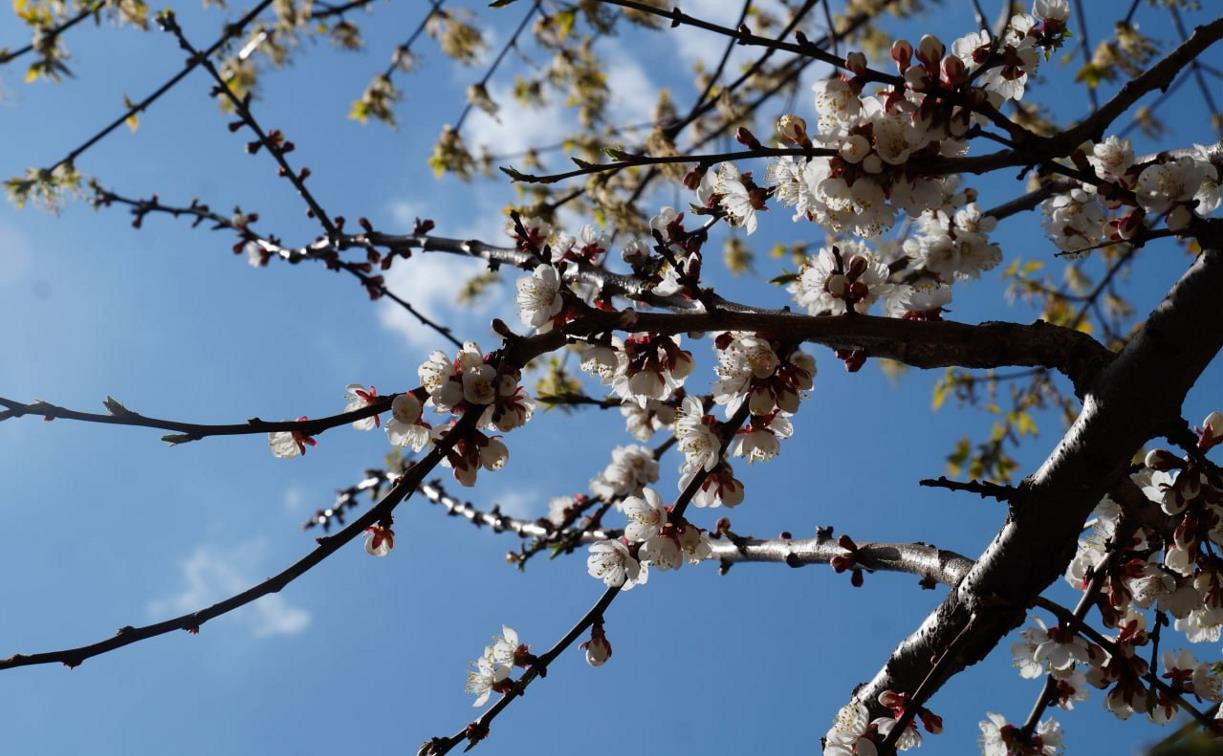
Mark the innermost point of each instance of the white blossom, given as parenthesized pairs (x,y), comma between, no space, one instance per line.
(405,427)
(360,397)
(735,198)
(823,287)
(646,515)
(539,297)
(1112,158)
(631,468)
(701,447)
(1051,10)
(611,562)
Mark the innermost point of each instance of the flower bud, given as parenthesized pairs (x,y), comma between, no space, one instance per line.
(1180,218)
(598,650)
(856,62)
(916,79)
(406,408)
(857,266)
(731,492)
(1161,459)
(953,70)
(930,50)
(836,285)
(379,540)
(747,138)
(902,53)
(855,148)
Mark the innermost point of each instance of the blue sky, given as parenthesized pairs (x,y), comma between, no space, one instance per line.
(106,526)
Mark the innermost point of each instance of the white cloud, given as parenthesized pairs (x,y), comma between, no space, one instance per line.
(295,498)
(213,573)
(516,126)
(520,504)
(702,45)
(431,280)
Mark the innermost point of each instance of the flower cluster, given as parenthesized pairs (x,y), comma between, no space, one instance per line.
(652,538)
(677,266)
(1001,739)
(1114,208)
(641,367)
(545,299)
(850,276)
(491,672)
(881,140)
(1165,564)
(855,734)
(472,383)
(630,470)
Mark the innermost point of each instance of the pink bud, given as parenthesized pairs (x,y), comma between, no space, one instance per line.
(930,50)
(953,70)
(902,53)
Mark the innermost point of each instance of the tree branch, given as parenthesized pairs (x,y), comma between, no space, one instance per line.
(1134,398)
(120,415)
(327,546)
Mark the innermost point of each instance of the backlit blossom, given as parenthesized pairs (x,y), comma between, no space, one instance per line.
(285,444)
(360,397)
(700,445)
(631,468)
(405,427)
(539,297)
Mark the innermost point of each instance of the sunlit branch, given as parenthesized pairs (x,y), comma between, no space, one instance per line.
(1136,397)
(930,563)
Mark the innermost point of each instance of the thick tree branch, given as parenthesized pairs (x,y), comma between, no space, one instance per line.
(1136,397)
